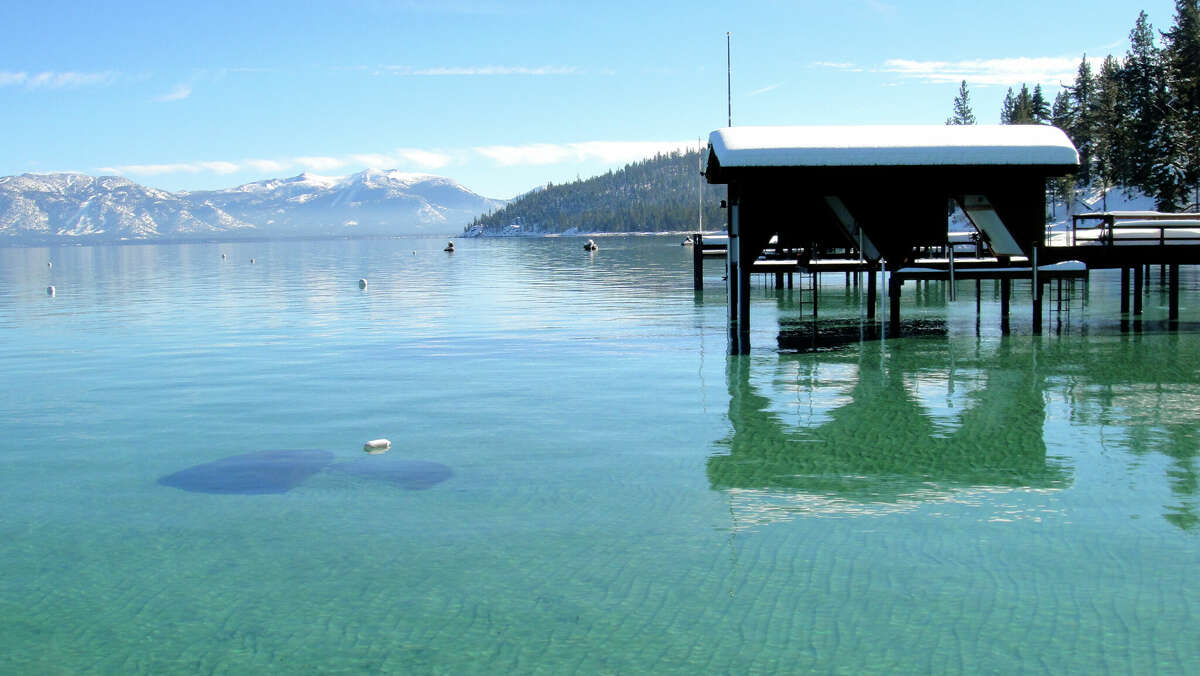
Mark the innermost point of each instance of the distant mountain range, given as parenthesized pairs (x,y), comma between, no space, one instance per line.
(68,207)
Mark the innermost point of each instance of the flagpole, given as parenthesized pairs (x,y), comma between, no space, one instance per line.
(728,80)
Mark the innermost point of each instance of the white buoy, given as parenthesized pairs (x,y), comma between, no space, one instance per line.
(376,446)
(49,290)
(49,264)
(251,260)
(449,246)
(362,283)
(222,256)
(590,246)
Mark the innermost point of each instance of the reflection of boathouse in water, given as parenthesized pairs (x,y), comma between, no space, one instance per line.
(873,430)
(878,444)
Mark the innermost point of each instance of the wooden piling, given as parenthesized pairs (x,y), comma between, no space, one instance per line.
(816,291)
(698,262)
(1037,309)
(871,293)
(1124,290)
(1005,306)
(1173,293)
(1138,281)
(894,285)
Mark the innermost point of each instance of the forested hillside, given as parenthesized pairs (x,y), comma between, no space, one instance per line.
(655,195)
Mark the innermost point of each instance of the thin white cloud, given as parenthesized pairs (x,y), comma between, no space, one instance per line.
(838,65)
(57,80)
(483,70)
(764,90)
(180,92)
(153,169)
(557,153)
(373,160)
(996,72)
(533,154)
(268,165)
(220,167)
(321,163)
(425,159)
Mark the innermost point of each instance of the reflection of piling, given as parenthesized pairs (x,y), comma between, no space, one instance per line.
(698,261)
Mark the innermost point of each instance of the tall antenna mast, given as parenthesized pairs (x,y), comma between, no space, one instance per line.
(728,80)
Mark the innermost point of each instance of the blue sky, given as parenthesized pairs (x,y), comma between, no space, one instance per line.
(499,95)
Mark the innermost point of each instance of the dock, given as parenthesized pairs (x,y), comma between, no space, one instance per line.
(872,201)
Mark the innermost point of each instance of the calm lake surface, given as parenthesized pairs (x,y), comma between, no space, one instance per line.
(581,479)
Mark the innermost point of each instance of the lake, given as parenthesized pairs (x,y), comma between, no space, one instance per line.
(581,479)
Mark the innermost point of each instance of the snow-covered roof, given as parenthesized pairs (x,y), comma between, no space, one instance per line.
(892,145)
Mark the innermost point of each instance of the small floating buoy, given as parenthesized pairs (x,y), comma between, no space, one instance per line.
(251,260)
(376,446)
(362,283)
(590,246)
(49,264)
(49,290)
(449,246)
(222,256)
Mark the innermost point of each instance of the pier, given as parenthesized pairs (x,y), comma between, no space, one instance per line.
(876,200)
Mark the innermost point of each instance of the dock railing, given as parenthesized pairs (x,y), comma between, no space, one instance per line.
(1132,228)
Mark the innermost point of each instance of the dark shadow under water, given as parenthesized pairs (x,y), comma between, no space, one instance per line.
(251,473)
(279,471)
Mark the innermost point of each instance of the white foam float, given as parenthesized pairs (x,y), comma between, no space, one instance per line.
(49,290)
(376,446)
(362,283)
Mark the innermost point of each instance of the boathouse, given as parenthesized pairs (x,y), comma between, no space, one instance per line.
(881,191)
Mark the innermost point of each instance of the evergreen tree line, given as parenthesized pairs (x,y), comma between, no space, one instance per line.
(653,195)
(1136,123)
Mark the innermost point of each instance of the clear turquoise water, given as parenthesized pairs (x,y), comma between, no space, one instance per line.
(623,496)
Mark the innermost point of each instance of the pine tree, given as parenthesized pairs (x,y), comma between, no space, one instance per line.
(1081,129)
(1145,94)
(1039,107)
(962,107)
(1018,109)
(1108,110)
(1061,115)
(1008,108)
(1182,61)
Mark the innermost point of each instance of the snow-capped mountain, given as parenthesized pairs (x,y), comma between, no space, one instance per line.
(48,207)
(41,208)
